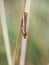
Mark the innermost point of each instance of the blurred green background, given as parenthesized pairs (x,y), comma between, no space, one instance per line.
(38,34)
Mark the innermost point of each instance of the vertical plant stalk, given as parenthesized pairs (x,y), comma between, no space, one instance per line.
(16,50)
(5,32)
(24,31)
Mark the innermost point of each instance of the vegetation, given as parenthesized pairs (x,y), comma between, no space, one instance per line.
(38,38)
